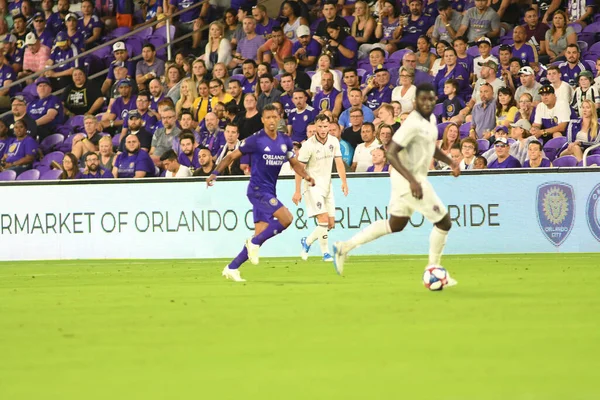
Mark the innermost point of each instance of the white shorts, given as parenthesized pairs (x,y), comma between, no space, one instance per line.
(317,203)
(404,204)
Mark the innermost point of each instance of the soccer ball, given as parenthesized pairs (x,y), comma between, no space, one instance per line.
(435,277)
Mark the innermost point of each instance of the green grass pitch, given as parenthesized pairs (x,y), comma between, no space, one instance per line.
(517,327)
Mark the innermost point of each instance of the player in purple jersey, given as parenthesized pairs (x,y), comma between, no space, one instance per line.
(268,151)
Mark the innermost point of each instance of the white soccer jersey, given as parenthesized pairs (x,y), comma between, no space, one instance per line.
(318,158)
(418,137)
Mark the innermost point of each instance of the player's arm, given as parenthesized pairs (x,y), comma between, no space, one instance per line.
(440,156)
(341,170)
(225,162)
(392,156)
(297,197)
(298,167)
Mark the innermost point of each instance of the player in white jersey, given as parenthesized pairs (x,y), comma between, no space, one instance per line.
(410,153)
(318,153)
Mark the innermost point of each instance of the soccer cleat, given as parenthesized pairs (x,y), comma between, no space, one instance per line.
(233,274)
(305,249)
(451,281)
(252,251)
(327,257)
(338,258)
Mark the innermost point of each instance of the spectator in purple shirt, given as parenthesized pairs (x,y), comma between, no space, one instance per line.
(121,60)
(211,137)
(44,33)
(571,68)
(118,110)
(248,46)
(306,49)
(188,155)
(504,160)
(89,24)
(47,111)
(21,152)
(341,45)
(300,117)
(74,32)
(250,80)
(63,50)
(534,153)
(418,25)
(264,24)
(56,21)
(379,161)
(325,99)
(5,140)
(93,170)
(133,162)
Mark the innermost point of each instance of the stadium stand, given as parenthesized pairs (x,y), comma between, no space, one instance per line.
(158,70)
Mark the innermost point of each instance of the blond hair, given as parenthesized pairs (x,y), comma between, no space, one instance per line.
(594,119)
(192,95)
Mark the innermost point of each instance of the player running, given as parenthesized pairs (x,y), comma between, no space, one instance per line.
(268,150)
(317,154)
(410,153)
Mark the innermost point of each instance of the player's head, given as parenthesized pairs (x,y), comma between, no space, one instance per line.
(322,123)
(270,118)
(425,99)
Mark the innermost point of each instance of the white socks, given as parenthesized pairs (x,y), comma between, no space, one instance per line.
(437,241)
(321,234)
(374,231)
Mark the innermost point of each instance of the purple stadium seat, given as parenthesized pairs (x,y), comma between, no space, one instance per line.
(162,32)
(134,45)
(29,175)
(67,145)
(397,55)
(64,130)
(239,77)
(51,142)
(593,27)
(94,64)
(437,111)
(564,161)
(158,41)
(118,32)
(576,27)
(441,128)
(595,48)
(464,130)
(583,46)
(495,51)
(116,140)
(473,51)
(52,175)
(483,145)
(8,175)
(31,91)
(507,40)
(361,72)
(552,147)
(48,158)
(350,19)
(76,123)
(144,33)
(590,161)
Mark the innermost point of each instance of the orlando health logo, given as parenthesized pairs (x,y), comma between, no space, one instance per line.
(556,211)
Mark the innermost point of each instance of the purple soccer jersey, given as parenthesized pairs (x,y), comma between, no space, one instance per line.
(189,15)
(149,122)
(101,173)
(249,87)
(569,74)
(414,29)
(265,30)
(266,158)
(313,49)
(186,162)
(78,40)
(4,144)
(38,108)
(544,164)
(322,101)
(288,104)
(127,165)
(527,54)
(8,74)
(213,142)
(466,63)
(130,65)
(88,30)
(21,148)
(121,110)
(377,97)
(510,162)
(299,121)
(55,23)
(59,55)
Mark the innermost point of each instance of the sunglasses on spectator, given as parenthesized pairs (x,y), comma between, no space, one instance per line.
(501,145)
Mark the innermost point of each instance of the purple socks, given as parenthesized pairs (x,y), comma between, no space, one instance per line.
(273,229)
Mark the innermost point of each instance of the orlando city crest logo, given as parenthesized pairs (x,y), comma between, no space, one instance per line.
(556,211)
(593,212)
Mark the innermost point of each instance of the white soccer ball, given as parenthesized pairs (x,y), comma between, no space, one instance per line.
(435,277)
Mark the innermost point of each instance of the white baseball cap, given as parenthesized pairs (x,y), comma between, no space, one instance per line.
(302,30)
(119,46)
(30,39)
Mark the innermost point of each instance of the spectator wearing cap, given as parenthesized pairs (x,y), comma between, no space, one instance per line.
(488,75)
(36,55)
(148,116)
(503,158)
(325,98)
(19,112)
(93,170)
(582,132)
(21,152)
(5,140)
(135,127)
(485,46)
(571,68)
(447,23)
(149,67)
(133,162)
(74,32)
(525,52)
(20,30)
(342,47)
(248,46)
(306,49)
(89,140)
(520,132)
(119,108)
(43,33)
(378,90)
(82,96)
(12,55)
(56,21)
(483,117)
(301,78)
(275,50)
(479,21)
(63,50)
(121,60)
(329,15)
(47,111)
(559,36)
(535,32)
(551,115)
(7,77)
(452,70)
(529,85)
(89,24)
(418,23)
(264,24)
(585,90)
(562,89)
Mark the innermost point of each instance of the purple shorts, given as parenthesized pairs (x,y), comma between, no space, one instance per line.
(264,206)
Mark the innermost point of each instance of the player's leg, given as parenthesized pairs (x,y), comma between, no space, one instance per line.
(320,233)
(315,207)
(279,221)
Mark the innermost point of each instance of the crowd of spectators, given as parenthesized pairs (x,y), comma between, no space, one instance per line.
(515,87)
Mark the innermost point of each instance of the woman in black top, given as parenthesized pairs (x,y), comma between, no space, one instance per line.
(249,121)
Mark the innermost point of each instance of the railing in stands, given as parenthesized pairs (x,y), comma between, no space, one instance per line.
(587,151)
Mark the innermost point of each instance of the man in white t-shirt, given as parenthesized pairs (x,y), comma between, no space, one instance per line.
(410,153)
(317,154)
(172,166)
(551,116)
(362,154)
(562,89)
(485,54)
